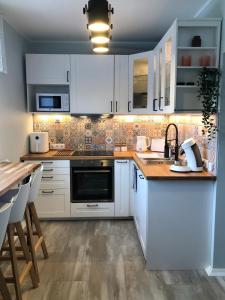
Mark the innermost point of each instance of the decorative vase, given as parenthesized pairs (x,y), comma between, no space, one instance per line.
(186,60)
(196,41)
(205,61)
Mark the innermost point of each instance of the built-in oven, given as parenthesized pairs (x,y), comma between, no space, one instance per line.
(92,181)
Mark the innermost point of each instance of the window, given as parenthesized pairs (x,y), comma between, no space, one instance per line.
(2,48)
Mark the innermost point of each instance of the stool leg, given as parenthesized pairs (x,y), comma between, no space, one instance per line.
(31,242)
(12,250)
(26,252)
(36,222)
(3,288)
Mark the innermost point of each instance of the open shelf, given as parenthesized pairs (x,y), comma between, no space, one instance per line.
(187,86)
(197,48)
(195,67)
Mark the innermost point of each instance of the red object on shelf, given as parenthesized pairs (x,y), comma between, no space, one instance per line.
(186,60)
(205,61)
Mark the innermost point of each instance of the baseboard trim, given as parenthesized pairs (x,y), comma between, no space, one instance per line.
(215,271)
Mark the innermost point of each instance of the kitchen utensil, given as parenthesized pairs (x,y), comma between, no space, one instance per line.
(143,143)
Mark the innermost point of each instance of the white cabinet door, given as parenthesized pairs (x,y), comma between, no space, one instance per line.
(121,84)
(122,187)
(47,68)
(92,84)
(140,83)
(140,209)
(53,203)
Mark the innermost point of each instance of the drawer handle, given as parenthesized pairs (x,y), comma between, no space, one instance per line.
(47,177)
(47,192)
(122,162)
(92,205)
(48,170)
(47,162)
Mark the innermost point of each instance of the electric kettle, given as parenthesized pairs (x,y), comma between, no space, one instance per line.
(143,143)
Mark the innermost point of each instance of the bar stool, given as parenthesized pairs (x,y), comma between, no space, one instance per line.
(15,224)
(5,210)
(32,219)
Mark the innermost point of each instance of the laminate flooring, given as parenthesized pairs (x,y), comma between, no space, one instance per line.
(103,260)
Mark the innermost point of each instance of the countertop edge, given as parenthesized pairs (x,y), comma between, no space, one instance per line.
(127,155)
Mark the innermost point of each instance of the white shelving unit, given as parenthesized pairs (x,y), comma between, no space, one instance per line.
(209,31)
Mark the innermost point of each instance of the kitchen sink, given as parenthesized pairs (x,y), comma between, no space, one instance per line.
(159,161)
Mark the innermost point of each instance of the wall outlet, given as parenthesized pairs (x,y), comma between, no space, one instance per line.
(57,146)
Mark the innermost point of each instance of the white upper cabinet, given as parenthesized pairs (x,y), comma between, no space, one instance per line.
(164,83)
(92,84)
(51,69)
(121,91)
(140,83)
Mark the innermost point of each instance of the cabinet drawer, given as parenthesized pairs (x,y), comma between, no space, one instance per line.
(92,210)
(55,171)
(53,163)
(53,203)
(55,181)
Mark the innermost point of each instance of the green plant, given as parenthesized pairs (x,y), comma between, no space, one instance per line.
(208,93)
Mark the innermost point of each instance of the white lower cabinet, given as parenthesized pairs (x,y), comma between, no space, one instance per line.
(80,210)
(54,194)
(122,188)
(53,203)
(140,188)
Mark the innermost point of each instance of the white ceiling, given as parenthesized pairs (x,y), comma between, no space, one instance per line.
(62,20)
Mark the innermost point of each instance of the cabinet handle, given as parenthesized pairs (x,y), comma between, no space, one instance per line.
(47,192)
(47,162)
(116,105)
(111,106)
(160,102)
(48,170)
(121,162)
(141,177)
(67,76)
(129,106)
(92,205)
(154,102)
(47,177)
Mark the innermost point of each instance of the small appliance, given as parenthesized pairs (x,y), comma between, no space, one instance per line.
(39,142)
(52,102)
(143,143)
(193,156)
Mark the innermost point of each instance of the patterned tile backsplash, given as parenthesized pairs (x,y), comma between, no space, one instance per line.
(103,134)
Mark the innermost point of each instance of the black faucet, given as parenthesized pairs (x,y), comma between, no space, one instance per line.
(167,148)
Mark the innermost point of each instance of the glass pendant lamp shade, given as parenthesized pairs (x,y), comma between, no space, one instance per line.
(100,48)
(100,37)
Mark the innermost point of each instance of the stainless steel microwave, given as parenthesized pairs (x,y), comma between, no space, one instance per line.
(52,102)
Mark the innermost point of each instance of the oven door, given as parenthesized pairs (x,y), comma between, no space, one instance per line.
(92,184)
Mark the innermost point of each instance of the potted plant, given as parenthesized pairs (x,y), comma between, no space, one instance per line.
(208,93)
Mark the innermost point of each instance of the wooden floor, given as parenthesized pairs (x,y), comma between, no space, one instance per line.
(93,260)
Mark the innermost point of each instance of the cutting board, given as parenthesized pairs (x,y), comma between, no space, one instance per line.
(157,145)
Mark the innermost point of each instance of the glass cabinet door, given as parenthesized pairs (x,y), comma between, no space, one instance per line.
(140,83)
(168,62)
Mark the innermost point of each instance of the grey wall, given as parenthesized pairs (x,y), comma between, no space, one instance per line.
(15,123)
(217,9)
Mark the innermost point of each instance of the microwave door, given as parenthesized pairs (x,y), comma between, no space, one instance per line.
(49,103)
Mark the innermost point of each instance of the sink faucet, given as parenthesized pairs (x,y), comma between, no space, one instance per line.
(167,147)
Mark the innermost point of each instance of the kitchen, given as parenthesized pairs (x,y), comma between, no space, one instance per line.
(121,218)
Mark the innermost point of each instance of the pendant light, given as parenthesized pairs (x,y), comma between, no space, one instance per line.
(99,23)
(100,48)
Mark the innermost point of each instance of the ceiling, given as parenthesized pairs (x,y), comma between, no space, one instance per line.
(62,20)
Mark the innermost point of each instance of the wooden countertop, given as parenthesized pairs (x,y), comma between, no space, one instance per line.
(13,173)
(151,172)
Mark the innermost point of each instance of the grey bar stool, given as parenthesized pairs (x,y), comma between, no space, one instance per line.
(32,220)
(5,210)
(15,224)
